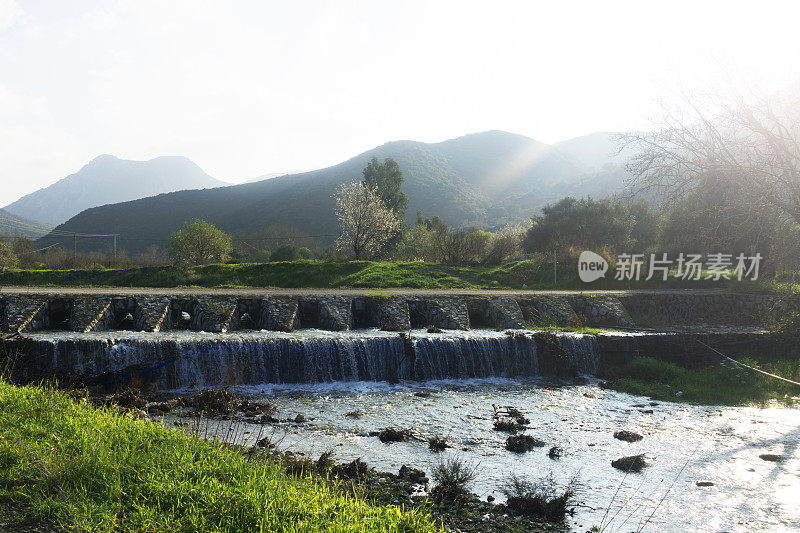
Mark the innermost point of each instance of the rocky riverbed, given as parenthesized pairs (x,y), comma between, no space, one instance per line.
(694,467)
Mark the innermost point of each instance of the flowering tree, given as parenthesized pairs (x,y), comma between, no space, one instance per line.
(366,224)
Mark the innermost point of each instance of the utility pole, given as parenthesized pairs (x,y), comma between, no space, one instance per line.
(75,246)
(555,269)
(115,246)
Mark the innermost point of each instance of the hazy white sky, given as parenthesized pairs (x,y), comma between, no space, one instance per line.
(245,88)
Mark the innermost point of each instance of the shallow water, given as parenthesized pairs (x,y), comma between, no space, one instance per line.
(684,444)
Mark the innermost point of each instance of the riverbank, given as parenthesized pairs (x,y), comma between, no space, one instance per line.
(526,274)
(721,384)
(90,461)
(86,468)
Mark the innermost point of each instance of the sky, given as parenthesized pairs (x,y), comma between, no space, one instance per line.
(245,88)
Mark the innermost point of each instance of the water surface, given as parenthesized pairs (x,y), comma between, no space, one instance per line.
(683,443)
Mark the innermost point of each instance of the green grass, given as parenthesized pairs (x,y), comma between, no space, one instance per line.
(721,384)
(100,470)
(531,274)
(586,330)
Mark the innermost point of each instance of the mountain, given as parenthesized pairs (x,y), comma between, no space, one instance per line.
(107,180)
(483,179)
(271,175)
(598,151)
(12,225)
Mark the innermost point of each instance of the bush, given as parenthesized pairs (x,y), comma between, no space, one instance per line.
(8,259)
(506,244)
(452,477)
(290,252)
(213,401)
(542,500)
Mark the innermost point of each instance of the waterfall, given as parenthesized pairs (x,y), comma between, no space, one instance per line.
(191,359)
(475,357)
(583,352)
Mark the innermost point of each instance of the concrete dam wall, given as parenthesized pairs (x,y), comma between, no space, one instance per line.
(221,313)
(186,340)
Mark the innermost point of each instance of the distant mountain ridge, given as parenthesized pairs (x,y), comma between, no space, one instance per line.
(271,175)
(11,225)
(482,179)
(108,180)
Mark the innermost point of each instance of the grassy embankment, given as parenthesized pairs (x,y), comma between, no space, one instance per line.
(721,384)
(530,274)
(100,470)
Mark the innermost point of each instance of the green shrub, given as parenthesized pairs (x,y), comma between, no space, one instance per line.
(290,252)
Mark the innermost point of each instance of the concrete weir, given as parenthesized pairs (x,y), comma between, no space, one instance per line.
(221,312)
(249,337)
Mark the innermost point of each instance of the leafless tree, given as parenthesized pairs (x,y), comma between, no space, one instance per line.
(366,224)
(747,142)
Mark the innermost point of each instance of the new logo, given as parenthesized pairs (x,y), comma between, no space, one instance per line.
(591,266)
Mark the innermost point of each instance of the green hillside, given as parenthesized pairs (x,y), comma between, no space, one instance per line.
(12,225)
(484,179)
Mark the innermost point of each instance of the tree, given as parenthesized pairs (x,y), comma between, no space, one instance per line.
(386,178)
(593,224)
(25,250)
(715,218)
(7,257)
(751,144)
(365,222)
(199,243)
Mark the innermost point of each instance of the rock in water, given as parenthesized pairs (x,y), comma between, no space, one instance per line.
(523,443)
(393,435)
(627,436)
(414,475)
(633,463)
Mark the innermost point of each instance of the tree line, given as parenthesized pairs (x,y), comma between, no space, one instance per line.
(716,178)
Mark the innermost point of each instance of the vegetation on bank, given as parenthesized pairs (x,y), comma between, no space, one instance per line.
(102,470)
(525,274)
(721,384)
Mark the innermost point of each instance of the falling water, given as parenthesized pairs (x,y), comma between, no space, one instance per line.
(195,359)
